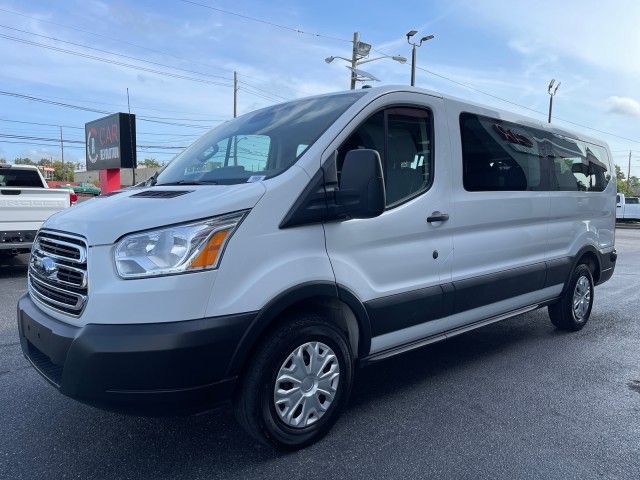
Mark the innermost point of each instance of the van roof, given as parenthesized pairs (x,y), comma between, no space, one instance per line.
(486,110)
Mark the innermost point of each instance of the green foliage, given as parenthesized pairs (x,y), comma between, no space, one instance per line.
(62,172)
(23,161)
(629,189)
(150,163)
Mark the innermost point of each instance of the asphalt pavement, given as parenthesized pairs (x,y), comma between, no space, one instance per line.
(514,400)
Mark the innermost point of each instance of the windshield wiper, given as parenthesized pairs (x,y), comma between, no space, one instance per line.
(187,182)
(153,179)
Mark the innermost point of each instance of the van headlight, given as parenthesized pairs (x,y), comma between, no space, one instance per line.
(176,249)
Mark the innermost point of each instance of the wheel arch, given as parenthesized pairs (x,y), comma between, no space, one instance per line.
(590,256)
(338,304)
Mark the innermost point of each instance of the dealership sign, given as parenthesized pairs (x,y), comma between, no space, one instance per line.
(111,142)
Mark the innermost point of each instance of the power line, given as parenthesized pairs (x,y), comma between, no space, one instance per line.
(82,142)
(42,124)
(91,110)
(117,40)
(524,106)
(79,148)
(475,89)
(113,62)
(267,22)
(111,38)
(124,64)
(113,53)
(262,90)
(164,134)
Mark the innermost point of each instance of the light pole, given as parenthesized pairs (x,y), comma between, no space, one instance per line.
(553,88)
(415,45)
(359,56)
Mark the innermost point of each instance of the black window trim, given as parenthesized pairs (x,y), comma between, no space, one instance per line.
(385,110)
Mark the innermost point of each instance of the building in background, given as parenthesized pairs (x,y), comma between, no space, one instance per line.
(47,172)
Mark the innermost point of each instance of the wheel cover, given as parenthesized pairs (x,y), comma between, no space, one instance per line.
(581,298)
(306,384)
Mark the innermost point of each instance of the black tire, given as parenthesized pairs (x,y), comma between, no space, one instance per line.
(562,314)
(255,407)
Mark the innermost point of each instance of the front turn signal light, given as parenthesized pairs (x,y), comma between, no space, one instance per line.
(210,254)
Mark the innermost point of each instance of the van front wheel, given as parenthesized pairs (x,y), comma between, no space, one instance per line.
(297,384)
(573,309)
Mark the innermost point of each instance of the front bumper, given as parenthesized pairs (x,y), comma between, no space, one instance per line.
(156,369)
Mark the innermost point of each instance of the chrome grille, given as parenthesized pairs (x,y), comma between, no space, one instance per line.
(58,272)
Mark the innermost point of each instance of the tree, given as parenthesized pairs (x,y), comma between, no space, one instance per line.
(23,161)
(62,171)
(150,163)
(621,181)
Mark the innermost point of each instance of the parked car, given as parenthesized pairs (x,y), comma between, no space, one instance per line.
(289,245)
(83,189)
(25,202)
(627,208)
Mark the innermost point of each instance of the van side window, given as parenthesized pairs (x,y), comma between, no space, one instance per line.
(582,167)
(408,167)
(403,138)
(505,156)
(498,156)
(632,201)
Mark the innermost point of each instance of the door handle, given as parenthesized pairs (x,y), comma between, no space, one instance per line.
(438,217)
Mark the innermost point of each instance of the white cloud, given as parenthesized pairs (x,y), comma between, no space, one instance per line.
(592,31)
(624,106)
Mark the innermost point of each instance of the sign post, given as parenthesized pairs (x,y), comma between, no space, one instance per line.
(111,145)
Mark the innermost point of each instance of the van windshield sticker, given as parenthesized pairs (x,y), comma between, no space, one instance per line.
(256,178)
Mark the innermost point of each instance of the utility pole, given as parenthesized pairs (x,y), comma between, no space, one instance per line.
(133,167)
(354,59)
(553,88)
(629,175)
(235,94)
(61,147)
(360,55)
(415,45)
(413,65)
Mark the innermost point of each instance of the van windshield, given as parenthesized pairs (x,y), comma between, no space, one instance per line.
(258,145)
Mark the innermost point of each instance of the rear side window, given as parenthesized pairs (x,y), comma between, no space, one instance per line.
(632,201)
(504,156)
(11,177)
(582,167)
(498,156)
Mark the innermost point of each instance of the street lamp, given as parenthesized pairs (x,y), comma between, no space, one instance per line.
(415,45)
(553,88)
(359,56)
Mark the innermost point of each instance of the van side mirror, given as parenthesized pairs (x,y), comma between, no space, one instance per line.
(361,192)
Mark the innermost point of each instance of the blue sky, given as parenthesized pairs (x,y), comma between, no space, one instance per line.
(510,49)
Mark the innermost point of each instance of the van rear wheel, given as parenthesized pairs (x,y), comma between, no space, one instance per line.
(297,384)
(572,311)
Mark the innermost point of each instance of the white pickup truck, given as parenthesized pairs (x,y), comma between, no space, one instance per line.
(25,202)
(627,208)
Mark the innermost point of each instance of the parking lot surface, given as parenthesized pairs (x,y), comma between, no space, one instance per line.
(514,400)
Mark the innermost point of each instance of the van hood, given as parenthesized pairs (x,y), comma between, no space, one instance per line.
(105,219)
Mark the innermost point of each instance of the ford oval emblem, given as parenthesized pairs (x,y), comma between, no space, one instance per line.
(48,265)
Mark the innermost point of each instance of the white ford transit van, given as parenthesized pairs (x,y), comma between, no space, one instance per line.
(295,242)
